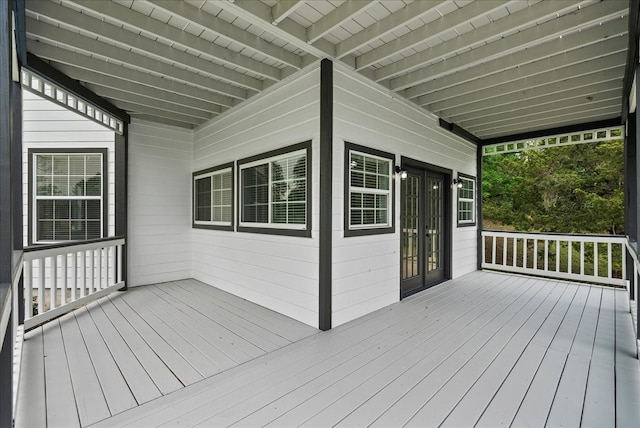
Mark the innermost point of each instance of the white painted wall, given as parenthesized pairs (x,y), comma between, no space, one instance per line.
(278,272)
(159,198)
(366,270)
(48,125)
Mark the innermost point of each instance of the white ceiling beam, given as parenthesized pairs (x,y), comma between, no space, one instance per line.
(283,9)
(158,113)
(227,30)
(259,14)
(143,45)
(529,94)
(95,77)
(602,64)
(74,40)
(435,28)
(410,12)
(130,17)
(581,92)
(592,15)
(497,80)
(484,33)
(552,120)
(119,95)
(554,47)
(559,107)
(335,18)
(128,75)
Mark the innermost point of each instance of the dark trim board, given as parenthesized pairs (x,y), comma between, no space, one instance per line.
(325,308)
(459,131)
(121,145)
(479,219)
(632,55)
(552,131)
(46,71)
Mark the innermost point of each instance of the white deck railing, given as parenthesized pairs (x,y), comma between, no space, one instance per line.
(591,258)
(60,278)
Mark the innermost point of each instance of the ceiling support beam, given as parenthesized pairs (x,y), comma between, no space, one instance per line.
(173,35)
(412,11)
(552,120)
(142,45)
(259,14)
(158,113)
(94,65)
(597,69)
(58,35)
(102,80)
(228,31)
(283,9)
(335,18)
(556,62)
(144,101)
(580,93)
(546,31)
(426,32)
(555,47)
(482,34)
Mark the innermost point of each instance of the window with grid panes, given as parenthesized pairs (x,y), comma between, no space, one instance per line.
(369,191)
(69,196)
(213,197)
(274,191)
(466,201)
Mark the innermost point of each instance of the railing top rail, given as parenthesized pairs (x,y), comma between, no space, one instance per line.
(558,234)
(35,252)
(69,244)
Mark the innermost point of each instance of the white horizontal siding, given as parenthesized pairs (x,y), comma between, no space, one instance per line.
(159,198)
(47,125)
(278,272)
(369,115)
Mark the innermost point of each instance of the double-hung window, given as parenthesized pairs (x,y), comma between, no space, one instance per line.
(369,191)
(68,194)
(466,200)
(275,192)
(213,198)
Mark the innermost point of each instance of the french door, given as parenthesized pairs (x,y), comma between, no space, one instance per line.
(425,230)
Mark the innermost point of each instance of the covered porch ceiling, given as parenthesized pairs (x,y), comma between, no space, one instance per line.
(494,68)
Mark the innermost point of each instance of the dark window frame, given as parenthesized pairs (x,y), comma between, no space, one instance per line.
(275,230)
(475,200)
(227,227)
(348,232)
(31,233)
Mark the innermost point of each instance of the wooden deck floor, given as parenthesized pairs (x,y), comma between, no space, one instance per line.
(486,349)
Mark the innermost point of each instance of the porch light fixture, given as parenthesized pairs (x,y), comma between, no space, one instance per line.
(401,172)
(458,182)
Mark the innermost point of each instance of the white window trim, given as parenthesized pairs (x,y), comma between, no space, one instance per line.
(269,161)
(472,200)
(36,197)
(354,189)
(211,174)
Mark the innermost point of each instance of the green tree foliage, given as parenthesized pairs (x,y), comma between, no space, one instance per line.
(569,189)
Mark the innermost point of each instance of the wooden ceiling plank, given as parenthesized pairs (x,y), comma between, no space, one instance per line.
(283,9)
(58,35)
(145,23)
(335,18)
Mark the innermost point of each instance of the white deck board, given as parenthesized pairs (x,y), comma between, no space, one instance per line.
(486,349)
(31,394)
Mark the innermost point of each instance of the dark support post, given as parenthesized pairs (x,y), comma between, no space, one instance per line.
(6,223)
(479,151)
(121,172)
(326,193)
(631,190)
